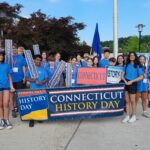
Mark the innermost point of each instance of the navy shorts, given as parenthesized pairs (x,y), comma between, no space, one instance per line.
(131,89)
(4,89)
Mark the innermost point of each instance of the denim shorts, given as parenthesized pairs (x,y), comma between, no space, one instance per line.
(4,89)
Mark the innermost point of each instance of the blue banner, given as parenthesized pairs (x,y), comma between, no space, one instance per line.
(74,103)
(33,104)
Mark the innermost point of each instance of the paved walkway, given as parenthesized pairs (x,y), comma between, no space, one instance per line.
(95,134)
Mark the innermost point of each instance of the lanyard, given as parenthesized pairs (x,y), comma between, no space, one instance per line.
(73,73)
(15,61)
(44,64)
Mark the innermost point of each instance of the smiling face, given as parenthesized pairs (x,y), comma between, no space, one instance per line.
(90,62)
(106,55)
(20,50)
(120,60)
(44,55)
(15,50)
(95,61)
(78,58)
(58,56)
(37,61)
(51,63)
(142,60)
(73,61)
(132,57)
(86,56)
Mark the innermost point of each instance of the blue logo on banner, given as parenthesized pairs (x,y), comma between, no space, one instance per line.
(32,103)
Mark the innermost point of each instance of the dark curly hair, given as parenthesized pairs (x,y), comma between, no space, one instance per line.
(136,61)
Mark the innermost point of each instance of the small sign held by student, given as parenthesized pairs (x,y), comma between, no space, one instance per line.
(92,76)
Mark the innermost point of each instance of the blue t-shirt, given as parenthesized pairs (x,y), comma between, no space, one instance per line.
(84,63)
(4,72)
(42,75)
(17,70)
(74,75)
(50,72)
(142,85)
(104,63)
(131,72)
(44,64)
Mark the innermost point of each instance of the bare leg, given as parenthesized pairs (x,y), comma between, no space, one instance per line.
(6,96)
(137,98)
(127,99)
(1,106)
(133,103)
(144,100)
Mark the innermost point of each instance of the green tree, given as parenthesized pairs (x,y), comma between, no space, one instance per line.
(132,44)
(50,33)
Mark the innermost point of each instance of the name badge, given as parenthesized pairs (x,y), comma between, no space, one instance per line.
(73,80)
(145,80)
(15,69)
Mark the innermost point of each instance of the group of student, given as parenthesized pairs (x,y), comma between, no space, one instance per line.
(17,76)
(136,80)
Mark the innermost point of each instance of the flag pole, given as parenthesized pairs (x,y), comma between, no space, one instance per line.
(115,31)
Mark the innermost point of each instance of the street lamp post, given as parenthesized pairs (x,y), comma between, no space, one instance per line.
(140,29)
(115,23)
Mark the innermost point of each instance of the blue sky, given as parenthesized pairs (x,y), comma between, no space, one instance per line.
(130,13)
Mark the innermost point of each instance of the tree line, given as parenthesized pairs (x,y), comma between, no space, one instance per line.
(53,34)
(50,33)
(130,43)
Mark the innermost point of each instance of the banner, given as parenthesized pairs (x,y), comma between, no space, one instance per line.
(92,76)
(36,49)
(8,51)
(114,74)
(71,103)
(31,65)
(33,104)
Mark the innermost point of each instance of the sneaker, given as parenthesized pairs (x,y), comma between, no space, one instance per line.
(8,124)
(14,115)
(126,119)
(2,124)
(146,114)
(31,123)
(133,119)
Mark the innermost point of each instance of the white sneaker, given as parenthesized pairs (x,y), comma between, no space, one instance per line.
(126,119)
(133,119)
(146,114)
